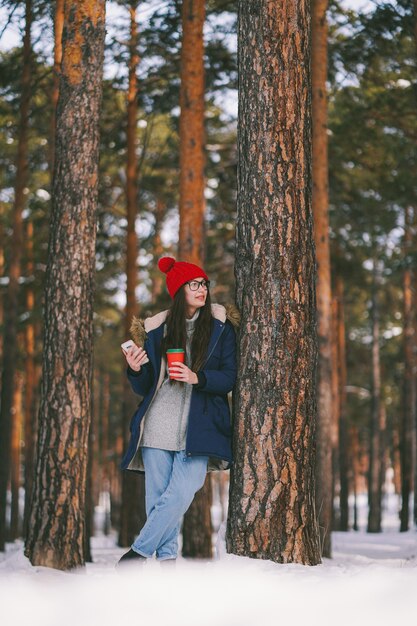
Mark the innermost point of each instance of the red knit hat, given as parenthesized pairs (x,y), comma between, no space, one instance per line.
(178,273)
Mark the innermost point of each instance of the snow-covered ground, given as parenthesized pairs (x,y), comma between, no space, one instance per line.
(371,579)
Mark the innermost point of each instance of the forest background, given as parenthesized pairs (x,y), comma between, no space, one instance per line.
(372,132)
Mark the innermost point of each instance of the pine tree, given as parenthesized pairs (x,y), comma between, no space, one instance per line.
(272,497)
(324,298)
(11,311)
(197,528)
(57,512)
(132,514)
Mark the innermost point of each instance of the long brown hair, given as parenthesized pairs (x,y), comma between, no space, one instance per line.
(177,333)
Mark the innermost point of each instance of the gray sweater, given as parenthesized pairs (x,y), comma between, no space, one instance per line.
(166,420)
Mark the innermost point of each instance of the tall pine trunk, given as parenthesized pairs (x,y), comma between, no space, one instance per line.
(343,426)
(104,447)
(132,511)
(197,528)
(409,411)
(1,274)
(191,246)
(15,526)
(11,311)
(355,451)
(58,27)
(157,277)
(30,379)
(335,410)
(324,466)
(56,528)
(376,451)
(272,497)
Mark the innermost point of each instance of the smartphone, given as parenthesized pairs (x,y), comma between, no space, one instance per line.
(127,345)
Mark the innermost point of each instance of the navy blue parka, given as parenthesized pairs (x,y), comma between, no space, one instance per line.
(209,429)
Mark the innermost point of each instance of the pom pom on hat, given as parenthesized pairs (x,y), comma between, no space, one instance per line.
(166,263)
(178,273)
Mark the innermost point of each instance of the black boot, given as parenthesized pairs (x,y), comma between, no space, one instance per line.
(130,558)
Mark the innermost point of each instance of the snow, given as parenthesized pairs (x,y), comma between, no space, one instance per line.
(372,579)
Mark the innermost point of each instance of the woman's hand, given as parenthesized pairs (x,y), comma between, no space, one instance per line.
(182,373)
(136,357)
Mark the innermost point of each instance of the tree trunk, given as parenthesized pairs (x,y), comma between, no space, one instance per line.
(197,523)
(2,299)
(57,512)
(104,447)
(323,289)
(30,380)
(409,413)
(272,497)
(197,527)
(343,427)
(132,512)
(16,460)
(354,438)
(376,451)
(89,489)
(158,278)
(191,246)
(196,540)
(11,311)
(58,28)
(335,411)
(396,453)
(413,364)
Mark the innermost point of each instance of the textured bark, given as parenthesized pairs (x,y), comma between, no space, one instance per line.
(30,380)
(376,451)
(197,528)
(191,246)
(343,428)
(11,310)
(409,412)
(16,458)
(57,512)
(196,540)
(133,489)
(272,497)
(324,467)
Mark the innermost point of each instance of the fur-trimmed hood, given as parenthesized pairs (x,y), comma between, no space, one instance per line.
(139,327)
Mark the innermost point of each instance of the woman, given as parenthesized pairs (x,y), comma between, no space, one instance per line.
(182,427)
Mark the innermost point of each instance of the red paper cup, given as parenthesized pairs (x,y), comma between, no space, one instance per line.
(175,354)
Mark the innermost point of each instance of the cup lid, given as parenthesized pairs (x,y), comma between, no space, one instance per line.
(175,350)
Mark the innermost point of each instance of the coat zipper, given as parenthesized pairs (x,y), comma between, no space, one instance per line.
(217,341)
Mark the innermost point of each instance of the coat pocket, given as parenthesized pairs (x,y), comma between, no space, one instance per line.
(221,417)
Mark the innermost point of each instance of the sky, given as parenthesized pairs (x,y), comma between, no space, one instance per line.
(12,37)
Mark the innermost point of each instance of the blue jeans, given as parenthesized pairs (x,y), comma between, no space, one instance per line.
(171,481)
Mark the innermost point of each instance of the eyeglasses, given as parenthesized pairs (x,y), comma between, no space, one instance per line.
(195,284)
